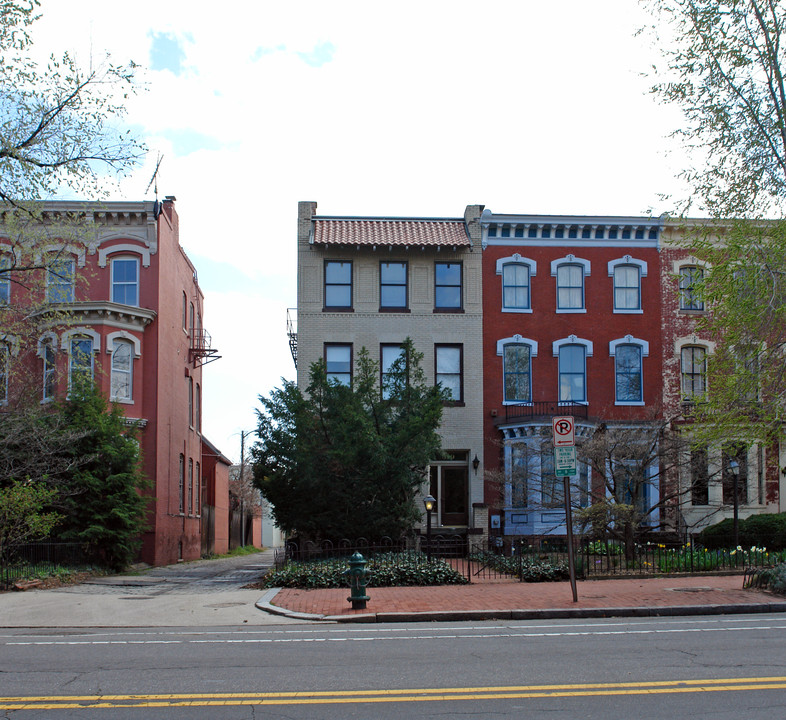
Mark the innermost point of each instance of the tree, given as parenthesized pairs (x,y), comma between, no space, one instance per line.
(23,516)
(344,462)
(104,507)
(724,64)
(56,122)
(724,69)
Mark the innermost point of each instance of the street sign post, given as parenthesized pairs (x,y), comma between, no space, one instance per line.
(564,432)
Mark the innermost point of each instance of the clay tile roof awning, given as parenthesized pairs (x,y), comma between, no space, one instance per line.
(390,232)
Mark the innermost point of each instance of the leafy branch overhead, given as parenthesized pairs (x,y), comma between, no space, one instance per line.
(723,68)
(59,127)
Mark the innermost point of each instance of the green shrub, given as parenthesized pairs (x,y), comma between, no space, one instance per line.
(527,569)
(386,570)
(763,530)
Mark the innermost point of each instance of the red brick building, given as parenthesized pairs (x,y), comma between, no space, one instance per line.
(571,326)
(126,306)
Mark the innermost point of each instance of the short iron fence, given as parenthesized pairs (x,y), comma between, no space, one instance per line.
(514,559)
(37,560)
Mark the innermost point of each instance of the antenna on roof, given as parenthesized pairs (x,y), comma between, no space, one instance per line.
(154,182)
(154,179)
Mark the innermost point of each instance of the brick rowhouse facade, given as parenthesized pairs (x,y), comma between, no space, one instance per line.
(373,282)
(571,326)
(701,476)
(561,315)
(130,310)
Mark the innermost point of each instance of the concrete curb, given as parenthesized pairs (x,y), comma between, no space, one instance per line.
(265,603)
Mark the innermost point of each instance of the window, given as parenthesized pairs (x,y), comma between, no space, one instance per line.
(515,287)
(699,477)
(122,371)
(191,402)
(521,462)
(570,287)
(4,362)
(388,355)
(572,373)
(198,407)
(338,285)
(60,280)
(197,490)
(50,358)
(338,359)
(80,358)
(517,370)
(190,486)
(447,286)
(182,483)
(735,472)
(393,285)
(5,279)
(627,369)
(448,370)
(693,361)
(690,276)
(125,281)
(184,310)
(552,488)
(627,287)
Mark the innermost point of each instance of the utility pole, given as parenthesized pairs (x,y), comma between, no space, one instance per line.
(242,486)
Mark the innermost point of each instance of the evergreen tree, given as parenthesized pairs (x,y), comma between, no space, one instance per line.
(346,462)
(104,507)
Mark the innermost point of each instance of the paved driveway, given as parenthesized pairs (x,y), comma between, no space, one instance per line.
(202,593)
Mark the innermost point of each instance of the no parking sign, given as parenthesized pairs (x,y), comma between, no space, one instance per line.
(563,430)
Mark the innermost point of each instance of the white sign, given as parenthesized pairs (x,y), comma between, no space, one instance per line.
(564,461)
(563,429)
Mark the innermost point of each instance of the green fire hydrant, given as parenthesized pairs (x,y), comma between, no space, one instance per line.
(357,581)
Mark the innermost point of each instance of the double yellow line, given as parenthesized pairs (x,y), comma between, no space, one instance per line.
(141,700)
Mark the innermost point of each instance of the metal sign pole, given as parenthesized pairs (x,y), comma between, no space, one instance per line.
(569,523)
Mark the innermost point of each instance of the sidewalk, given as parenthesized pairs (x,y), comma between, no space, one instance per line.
(697,595)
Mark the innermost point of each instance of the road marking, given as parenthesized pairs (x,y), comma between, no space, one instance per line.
(414,637)
(54,702)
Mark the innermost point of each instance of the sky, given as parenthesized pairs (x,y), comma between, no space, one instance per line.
(367,108)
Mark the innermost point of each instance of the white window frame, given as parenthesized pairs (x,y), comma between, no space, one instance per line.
(124,284)
(533,353)
(586,267)
(517,259)
(556,346)
(118,343)
(621,262)
(644,348)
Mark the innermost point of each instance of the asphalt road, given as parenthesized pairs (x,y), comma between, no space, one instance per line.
(715,667)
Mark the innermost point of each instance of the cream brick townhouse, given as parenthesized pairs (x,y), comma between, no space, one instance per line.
(374,281)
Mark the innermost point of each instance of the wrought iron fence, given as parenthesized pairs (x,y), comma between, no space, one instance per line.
(33,560)
(514,559)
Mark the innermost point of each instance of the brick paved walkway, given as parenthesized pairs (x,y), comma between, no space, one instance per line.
(618,593)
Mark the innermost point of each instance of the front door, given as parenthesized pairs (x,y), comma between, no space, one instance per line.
(450,487)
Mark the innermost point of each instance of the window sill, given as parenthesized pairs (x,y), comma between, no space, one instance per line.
(688,311)
(394,310)
(338,309)
(454,403)
(624,311)
(567,311)
(517,310)
(519,403)
(122,401)
(630,403)
(448,310)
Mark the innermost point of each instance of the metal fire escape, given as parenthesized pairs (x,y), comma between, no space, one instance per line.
(292,332)
(200,352)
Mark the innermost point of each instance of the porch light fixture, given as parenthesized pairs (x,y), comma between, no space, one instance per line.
(429,503)
(734,468)
(475,463)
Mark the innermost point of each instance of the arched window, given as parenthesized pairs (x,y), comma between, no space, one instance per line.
(122,371)
(198,402)
(628,374)
(691,276)
(80,358)
(517,369)
(60,279)
(570,272)
(50,364)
